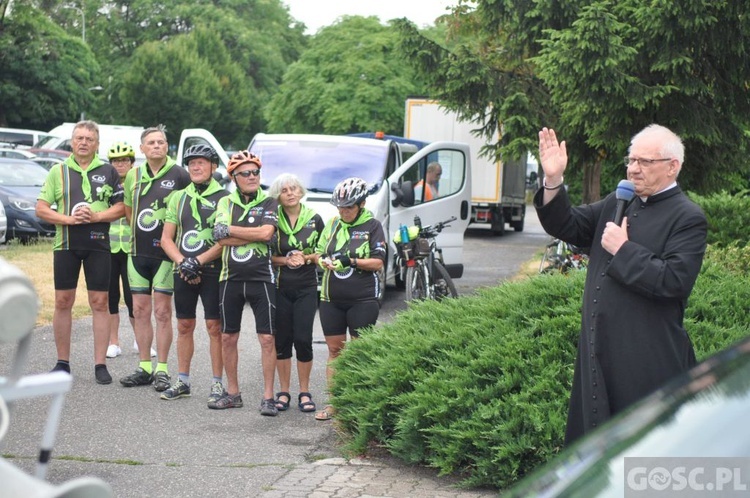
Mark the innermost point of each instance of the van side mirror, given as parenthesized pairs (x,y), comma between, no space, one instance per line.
(403,193)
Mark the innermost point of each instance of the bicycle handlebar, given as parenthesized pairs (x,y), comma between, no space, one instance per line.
(432,230)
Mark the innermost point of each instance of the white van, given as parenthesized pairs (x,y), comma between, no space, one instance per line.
(321,161)
(18,137)
(108,135)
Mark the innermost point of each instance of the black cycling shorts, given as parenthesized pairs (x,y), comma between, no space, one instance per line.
(336,317)
(67,267)
(186,297)
(262,298)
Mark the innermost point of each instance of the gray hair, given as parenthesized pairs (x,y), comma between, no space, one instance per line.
(153,129)
(88,125)
(285,180)
(672,145)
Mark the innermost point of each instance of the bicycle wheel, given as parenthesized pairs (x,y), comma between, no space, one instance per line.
(416,283)
(444,286)
(550,260)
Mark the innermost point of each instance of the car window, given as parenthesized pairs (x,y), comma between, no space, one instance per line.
(22,174)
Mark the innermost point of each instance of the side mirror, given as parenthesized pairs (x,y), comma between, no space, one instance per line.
(403,194)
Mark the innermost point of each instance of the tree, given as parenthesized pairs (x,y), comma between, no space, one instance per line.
(45,74)
(598,72)
(350,79)
(259,40)
(171,84)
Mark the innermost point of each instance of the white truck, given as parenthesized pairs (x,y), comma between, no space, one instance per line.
(498,189)
(321,161)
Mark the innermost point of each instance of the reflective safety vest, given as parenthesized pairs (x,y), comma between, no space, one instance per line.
(119,236)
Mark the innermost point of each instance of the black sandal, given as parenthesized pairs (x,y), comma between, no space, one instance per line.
(283,405)
(306,406)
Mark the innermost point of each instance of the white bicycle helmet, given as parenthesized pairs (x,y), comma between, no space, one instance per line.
(349,192)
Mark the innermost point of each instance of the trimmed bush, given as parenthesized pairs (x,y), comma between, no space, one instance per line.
(728,217)
(478,386)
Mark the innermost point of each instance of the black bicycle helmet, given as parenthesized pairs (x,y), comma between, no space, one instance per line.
(349,192)
(200,150)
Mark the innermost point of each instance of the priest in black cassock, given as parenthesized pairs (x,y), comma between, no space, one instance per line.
(639,276)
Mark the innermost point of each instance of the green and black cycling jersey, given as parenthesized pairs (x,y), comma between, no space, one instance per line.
(252,261)
(67,186)
(364,238)
(147,195)
(193,211)
(302,237)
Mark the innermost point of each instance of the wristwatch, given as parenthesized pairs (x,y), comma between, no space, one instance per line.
(353,263)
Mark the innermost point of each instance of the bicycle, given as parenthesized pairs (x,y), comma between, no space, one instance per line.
(421,264)
(559,256)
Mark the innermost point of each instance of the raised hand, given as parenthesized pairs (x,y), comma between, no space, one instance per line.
(552,154)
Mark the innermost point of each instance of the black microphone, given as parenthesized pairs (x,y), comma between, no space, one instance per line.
(624,194)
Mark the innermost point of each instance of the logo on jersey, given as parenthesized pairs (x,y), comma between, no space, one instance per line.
(241,254)
(98,178)
(168,184)
(192,241)
(344,274)
(79,205)
(147,220)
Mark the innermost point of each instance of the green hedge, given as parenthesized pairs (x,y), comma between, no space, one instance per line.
(478,386)
(728,217)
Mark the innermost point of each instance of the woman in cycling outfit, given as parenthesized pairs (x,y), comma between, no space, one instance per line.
(351,251)
(296,288)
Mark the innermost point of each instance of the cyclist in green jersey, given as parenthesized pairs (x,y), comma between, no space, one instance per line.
(147,190)
(187,240)
(88,197)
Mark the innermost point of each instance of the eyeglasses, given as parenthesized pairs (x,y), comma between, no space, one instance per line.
(644,163)
(88,140)
(247,173)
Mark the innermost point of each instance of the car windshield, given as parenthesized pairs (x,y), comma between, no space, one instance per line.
(320,163)
(703,415)
(21,174)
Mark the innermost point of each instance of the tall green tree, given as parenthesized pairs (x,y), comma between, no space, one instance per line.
(45,74)
(171,84)
(598,71)
(351,79)
(259,37)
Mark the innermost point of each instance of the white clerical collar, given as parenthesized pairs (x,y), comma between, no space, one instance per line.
(673,185)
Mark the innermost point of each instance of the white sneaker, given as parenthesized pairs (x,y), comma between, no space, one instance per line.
(135,347)
(113,351)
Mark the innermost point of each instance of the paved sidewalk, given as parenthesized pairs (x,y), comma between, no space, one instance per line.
(340,478)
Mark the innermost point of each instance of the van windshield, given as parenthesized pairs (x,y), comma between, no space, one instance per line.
(321,163)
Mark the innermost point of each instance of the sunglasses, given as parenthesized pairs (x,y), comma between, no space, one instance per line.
(247,173)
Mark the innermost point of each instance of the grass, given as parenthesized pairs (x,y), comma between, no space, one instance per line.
(35,260)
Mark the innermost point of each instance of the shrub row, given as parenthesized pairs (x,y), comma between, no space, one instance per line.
(478,386)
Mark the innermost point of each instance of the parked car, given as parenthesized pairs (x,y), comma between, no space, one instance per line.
(56,153)
(47,162)
(20,183)
(16,153)
(3,224)
(686,435)
(17,137)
